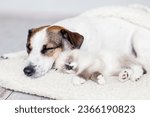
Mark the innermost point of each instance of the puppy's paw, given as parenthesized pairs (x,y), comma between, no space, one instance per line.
(136,77)
(125,75)
(78,81)
(137,73)
(100,80)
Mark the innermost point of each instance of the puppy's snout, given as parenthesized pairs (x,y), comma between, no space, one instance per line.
(29,70)
(68,67)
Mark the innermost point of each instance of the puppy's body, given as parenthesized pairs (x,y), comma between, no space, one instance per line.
(102,34)
(122,46)
(90,66)
(81,63)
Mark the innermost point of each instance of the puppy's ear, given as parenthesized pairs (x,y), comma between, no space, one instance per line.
(74,38)
(34,30)
(30,33)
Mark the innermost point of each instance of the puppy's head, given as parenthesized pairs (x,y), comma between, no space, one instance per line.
(67,62)
(44,44)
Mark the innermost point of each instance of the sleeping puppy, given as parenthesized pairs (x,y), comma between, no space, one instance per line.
(95,34)
(91,67)
(86,66)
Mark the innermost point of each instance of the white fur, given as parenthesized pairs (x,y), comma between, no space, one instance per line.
(82,61)
(78,81)
(113,29)
(41,63)
(59,86)
(101,80)
(111,37)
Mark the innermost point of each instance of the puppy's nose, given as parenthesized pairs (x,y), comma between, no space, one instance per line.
(29,70)
(68,67)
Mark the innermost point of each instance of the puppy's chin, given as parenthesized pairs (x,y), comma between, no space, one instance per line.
(69,71)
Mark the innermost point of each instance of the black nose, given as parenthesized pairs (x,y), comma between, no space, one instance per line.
(68,67)
(29,70)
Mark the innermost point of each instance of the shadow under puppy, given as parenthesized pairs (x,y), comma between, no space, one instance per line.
(91,67)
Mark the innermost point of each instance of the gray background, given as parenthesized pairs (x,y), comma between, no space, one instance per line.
(17,16)
(60,6)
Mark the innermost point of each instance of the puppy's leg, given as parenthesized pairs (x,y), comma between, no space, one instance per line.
(98,78)
(138,72)
(86,74)
(131,69)
(125,74)
(13,55)
(82,77)
(95,76)
(78,81)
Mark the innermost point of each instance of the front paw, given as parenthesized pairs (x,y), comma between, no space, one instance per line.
(100,80)
(136,77)
(138,72)
(125,75)
(78,81)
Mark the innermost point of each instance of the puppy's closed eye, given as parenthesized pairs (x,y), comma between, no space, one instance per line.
(45,49)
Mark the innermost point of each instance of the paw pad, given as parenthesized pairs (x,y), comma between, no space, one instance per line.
(125,75)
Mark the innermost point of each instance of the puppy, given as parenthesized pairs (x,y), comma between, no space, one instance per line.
(91,67)
(82,64)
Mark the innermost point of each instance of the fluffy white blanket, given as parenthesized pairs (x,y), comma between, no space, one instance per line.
(60,86)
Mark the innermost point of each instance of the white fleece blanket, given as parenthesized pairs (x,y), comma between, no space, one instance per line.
(60,86)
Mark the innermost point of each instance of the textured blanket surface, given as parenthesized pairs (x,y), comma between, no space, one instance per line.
(60,86)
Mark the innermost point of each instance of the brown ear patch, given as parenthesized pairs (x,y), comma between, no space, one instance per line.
(55,28)
(74,38)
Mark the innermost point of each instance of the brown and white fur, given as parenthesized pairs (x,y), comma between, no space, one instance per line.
(114,38)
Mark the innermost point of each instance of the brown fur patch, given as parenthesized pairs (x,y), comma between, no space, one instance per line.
(87,75)
(54,53)
(95,75)
(55,28)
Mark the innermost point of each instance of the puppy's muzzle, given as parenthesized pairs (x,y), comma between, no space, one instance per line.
(29,70)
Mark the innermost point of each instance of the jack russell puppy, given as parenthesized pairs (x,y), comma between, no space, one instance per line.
(120,42)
